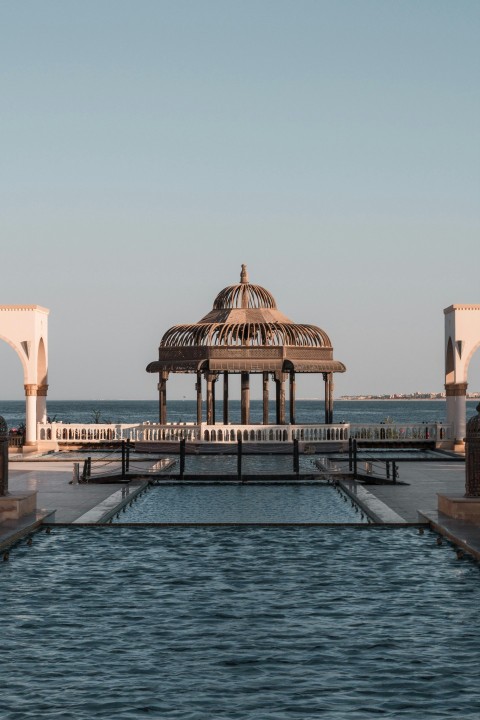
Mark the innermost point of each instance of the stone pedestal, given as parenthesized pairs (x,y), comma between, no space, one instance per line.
(467,507)
(459,507)
(13,507)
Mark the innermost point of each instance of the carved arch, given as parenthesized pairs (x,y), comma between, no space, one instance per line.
(469,358)
(42,369)
(20,354)
(449,363)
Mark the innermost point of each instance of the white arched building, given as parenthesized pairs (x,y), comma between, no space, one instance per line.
(462,339)
(25,329)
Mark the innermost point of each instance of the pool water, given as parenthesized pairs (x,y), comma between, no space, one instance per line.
(238,623)
(242,503)
(251,464)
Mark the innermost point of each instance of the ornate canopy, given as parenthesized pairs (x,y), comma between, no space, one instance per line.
(245,332)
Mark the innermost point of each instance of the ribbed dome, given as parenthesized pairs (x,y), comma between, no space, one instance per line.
(245,315)
(244,295)
(245,335)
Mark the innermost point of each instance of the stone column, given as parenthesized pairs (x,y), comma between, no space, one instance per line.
(330,399)
(30,414)
(280,397)
(162,396)
(325,380)
(198,388)
(328,379)
(457,409)
(472,456)
(265,399)
(225,398)
(210,378)
(3,457)
(214,420)
(245,398)
(292,397)
(42,403)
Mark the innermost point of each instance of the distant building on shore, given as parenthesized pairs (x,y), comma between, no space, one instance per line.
(406,396)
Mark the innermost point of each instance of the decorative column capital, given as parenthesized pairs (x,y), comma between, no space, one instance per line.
(42,390)
(31,390)
(456,389)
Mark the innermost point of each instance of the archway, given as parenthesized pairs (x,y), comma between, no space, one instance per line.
(462,340)
(42,382)
(25,329)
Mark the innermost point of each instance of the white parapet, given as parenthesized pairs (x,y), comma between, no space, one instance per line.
(76,433)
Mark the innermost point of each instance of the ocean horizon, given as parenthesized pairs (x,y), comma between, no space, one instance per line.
(307,411)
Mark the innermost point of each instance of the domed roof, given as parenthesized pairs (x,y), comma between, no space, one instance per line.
(245,315)
(244,295)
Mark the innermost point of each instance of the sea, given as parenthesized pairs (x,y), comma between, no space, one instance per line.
(307,411)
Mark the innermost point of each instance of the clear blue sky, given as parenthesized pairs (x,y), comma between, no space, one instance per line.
(148,148)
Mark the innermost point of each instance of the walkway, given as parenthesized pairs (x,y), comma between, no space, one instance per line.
(51,481)
(425,480)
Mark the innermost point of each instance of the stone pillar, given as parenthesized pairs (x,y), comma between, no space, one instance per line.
(162,397)
(214,420)
(31,414)
(328,379)
(210,378)
(245,398)
(225,398)
(472,457)
(3,457)
(42,403)
(265,399)
(292,397)
(330,399)
(280,397)
(198,388)
(457,409)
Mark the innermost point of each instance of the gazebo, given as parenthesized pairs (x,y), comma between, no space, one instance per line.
(245,333)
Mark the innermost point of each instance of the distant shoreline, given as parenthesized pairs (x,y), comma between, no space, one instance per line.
(406,399)
(190,400)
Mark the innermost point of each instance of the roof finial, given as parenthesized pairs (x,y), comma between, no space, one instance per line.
(244,275)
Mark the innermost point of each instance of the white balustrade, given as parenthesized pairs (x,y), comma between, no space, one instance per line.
(410,432)
(273,433)
(91,433)
(174,432)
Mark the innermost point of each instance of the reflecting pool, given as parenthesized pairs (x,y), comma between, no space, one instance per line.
(238,623)
(251,464)
(242,503)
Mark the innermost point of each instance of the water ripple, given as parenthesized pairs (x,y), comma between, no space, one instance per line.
(241,503)
(240,623)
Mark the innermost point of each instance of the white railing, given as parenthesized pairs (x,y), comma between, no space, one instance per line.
(84,433)
(401,431)
(167,433)
(273,433)
(91,433)
(151,432)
